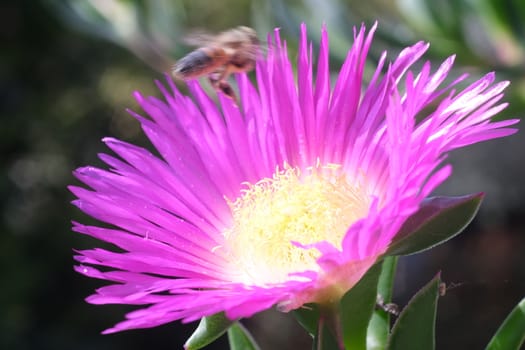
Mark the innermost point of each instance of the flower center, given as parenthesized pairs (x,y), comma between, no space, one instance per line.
(307,207)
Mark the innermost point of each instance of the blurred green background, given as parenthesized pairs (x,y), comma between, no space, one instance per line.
(68,69)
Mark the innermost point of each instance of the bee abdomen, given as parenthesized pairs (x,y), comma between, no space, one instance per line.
(197,63)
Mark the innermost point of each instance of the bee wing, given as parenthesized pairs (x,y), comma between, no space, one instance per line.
(255,52)
(199,38)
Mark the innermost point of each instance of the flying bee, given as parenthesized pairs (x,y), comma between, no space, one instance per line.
(218,56)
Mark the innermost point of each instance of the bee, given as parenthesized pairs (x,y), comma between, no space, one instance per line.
(218,56)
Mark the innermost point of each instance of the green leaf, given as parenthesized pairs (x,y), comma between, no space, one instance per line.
(511,333)
(415,327)
(438,220)
(356,309)
(240,338)
(379,326)
(209,329)
(324,338)
(308,317)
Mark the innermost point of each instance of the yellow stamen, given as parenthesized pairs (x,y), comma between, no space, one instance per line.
(318,204)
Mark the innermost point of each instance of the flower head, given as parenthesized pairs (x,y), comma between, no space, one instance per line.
(288,197)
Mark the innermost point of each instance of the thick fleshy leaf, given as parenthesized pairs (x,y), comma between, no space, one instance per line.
(240,338)
(511,333)
(415,327)
(209,329)
(379,326)
(308,317)
(438,220)
(356,309)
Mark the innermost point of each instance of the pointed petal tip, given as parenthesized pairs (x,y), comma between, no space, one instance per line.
(504,84)
(138,96)
(72,189)
(84,170)
(489,77)
(109,331)
(109,139)
(449,62)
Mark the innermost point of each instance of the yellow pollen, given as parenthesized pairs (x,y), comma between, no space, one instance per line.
(318,204)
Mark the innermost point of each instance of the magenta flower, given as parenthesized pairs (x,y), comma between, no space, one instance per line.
(286,199)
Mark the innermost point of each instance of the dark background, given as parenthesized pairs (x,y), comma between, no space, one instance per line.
(66,80)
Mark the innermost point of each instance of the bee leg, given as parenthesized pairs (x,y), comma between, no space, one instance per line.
(226,89)
(220,83)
